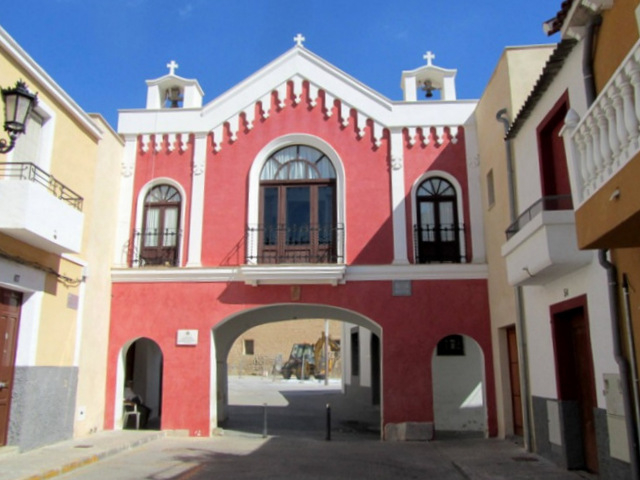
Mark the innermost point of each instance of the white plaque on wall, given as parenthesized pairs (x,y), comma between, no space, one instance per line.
(187,337)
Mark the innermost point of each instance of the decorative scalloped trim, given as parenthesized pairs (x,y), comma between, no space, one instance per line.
(293,89)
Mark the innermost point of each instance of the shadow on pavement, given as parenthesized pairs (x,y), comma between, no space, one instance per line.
(306,416)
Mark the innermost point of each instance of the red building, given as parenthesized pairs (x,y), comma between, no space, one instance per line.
(302,193)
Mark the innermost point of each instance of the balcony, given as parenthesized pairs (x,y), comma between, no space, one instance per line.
(607,138)
(541,244)
(153,248)
(439,243)
(300,254)
(283,244)
(39,210)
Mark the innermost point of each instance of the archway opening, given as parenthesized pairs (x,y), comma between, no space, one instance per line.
(459,389)
(142,385)
(289,361)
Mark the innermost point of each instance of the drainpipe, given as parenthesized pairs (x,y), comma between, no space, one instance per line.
(502,116)
(587,59)
(523,356)
(631,348)
(623,364)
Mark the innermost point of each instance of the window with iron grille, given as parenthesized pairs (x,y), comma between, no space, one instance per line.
(453,345)
(437,232)
(298,207)
(160,234)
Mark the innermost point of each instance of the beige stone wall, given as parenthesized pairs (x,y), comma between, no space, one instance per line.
(100,228)
(509,86)
(276,339)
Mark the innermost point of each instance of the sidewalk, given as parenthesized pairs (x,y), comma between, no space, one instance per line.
(474,459)
(60,458)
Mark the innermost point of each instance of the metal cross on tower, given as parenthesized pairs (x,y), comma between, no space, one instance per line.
(299,39)
(429,56)
(172,67)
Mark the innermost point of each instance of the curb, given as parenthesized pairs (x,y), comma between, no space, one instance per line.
(94,458)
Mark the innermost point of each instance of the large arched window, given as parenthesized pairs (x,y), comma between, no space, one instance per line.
(437,232)
(298,207)
(160,236)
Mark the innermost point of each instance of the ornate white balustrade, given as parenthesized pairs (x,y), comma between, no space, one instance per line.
(608,135)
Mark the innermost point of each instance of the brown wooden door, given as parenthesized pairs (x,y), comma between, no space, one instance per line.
(514,378)
(575,375)
(10,303)
(298,223)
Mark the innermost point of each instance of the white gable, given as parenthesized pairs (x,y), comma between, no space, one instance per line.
(296,66)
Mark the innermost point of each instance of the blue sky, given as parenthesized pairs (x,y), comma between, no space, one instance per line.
(102,51)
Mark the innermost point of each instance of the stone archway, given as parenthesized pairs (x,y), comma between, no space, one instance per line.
(225,333)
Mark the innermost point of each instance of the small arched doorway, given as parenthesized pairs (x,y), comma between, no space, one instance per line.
(459,391)
(141,370)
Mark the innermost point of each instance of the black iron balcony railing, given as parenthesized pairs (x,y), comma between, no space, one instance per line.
(33,173)
(155,247)
(548,203)
(439,243)
(307,243)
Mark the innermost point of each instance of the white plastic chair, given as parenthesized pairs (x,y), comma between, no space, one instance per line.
(131,409)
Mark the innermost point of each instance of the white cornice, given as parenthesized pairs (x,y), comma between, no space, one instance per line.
(433,271)
(181,80)
(292,274)
(39,75)
(298,65)
(301,274)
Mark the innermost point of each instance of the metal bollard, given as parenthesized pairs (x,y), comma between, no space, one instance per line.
(328,422)
(264,420)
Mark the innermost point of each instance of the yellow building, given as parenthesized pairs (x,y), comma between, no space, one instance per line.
(512,80)
(56,227)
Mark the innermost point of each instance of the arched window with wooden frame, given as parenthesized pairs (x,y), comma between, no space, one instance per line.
(438,231)
(160,234)
(298,207)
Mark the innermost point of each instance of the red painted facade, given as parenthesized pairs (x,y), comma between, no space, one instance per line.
(411,325)
(411,330)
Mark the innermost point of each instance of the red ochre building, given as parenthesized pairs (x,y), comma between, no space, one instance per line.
(302,193)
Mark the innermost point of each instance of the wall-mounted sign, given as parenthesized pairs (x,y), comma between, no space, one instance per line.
(401,288)
(187,337)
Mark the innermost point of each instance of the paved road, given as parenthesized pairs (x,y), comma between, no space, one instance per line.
(296,447)
(245,456)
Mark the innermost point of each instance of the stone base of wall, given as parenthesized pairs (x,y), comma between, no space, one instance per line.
(43,404)
(569,454)
(408,431)
(610,468)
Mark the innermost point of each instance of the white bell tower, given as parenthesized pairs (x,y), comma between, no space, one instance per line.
(429,79)
(172,91)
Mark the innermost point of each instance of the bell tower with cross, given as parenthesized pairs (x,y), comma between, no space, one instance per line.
(429,79)
(173,91)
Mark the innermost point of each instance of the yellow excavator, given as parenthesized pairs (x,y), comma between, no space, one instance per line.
(308,359)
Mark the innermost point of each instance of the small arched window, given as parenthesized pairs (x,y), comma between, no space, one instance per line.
(298,207)
(161,219)
(437,232)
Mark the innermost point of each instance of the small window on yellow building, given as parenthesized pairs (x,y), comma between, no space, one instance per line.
(248,347)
